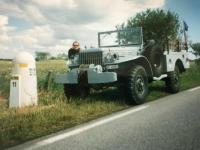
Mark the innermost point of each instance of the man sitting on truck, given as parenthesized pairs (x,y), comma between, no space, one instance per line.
(74,50)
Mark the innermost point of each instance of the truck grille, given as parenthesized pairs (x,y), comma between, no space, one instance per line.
(90,57)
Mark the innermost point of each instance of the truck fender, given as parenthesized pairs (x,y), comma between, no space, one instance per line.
(139,60)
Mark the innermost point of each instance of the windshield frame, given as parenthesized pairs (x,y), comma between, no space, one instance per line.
(118,31)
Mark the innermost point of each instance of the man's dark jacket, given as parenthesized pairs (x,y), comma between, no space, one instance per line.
(72,52)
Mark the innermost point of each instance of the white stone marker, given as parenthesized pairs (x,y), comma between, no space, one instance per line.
(23,84)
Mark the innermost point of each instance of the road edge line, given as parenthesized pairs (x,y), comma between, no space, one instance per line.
(194,89)
(84,128)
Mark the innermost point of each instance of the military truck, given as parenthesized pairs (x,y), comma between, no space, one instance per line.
(123,60)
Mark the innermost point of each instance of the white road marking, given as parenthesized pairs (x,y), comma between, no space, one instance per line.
(85,128)
(194,89)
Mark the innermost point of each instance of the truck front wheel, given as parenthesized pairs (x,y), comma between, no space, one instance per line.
(137,85)
(73,90)
(70,90)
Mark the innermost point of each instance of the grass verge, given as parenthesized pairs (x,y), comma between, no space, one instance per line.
(55,112)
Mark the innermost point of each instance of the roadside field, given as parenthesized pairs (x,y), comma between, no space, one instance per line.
(55,112)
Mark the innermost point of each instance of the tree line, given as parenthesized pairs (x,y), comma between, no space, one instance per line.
(47,56)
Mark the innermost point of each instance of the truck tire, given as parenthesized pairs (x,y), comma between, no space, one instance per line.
(83,87)
(137,85)
(84,92)
(70,90)
(173,81)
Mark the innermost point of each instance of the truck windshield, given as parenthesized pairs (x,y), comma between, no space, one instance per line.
(127,37)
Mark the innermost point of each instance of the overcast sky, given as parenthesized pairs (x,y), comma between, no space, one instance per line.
(52,25)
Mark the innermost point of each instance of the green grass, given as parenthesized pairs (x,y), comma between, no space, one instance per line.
(55,112)
(19,125)
(5,69)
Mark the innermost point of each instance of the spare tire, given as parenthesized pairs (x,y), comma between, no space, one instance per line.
(156,58)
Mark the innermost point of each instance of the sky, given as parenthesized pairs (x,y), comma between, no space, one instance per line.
(52,25)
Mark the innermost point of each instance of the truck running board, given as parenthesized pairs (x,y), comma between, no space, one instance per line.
(161,77)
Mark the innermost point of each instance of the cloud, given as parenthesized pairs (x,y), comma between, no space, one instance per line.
(55,24)
(5,30)
(3,20)
(10,8)
(33,14)
(69,4)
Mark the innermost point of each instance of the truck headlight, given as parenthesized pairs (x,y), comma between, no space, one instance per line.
(97,68)
(111,58)
(108,57)
(116,56)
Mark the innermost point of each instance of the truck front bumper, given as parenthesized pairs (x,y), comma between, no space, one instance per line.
(93,77)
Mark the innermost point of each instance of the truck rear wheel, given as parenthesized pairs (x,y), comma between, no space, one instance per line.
(173,81)
(137,85)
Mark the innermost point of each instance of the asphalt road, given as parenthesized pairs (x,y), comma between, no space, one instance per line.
(170,123)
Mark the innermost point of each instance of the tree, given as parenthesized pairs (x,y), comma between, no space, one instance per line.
(196,48)
(42,55)
(157,24)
